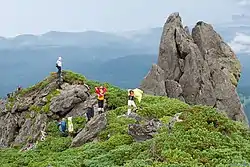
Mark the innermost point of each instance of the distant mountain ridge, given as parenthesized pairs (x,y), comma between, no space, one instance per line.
(26,59)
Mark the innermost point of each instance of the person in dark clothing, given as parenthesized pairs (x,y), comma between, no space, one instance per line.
(90,112)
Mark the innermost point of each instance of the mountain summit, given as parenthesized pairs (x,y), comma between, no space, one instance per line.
(198,68)
(161,131)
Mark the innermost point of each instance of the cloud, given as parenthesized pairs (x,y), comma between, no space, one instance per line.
(244,3)
(241,43)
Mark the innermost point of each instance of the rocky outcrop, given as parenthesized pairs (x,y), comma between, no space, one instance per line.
(23,118)
(154,82)
(70,96)
(198,68)
(142,132)
(147,130)
(91,130)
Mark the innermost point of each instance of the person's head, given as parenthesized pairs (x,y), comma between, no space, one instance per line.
(101,87)
(60,58)
(63,119)
(131,91)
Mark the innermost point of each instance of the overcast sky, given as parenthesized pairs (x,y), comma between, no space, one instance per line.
(39,16)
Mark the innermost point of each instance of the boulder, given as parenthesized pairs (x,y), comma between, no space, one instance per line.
(142,132)
(91,130)
(70,96)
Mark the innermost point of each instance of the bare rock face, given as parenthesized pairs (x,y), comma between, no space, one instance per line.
(24,118)
(69,97)
(142,132)
(198,68)
(154,82)
(90,132)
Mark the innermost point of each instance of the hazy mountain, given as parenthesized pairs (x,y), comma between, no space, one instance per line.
(111,57)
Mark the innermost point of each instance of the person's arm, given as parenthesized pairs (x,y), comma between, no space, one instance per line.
(104,90)
(96,90)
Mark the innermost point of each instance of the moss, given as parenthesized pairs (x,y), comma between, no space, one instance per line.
(52,94)
(38,86)
(73,78)
(46,108)
(9,106)
(233,79)
(35,108)
(166,119)
(27,116)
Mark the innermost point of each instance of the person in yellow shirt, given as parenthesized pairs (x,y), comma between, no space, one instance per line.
(100,91)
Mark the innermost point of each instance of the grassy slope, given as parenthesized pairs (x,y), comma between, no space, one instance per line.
(192,142)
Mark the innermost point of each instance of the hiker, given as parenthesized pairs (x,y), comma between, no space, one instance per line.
(100,93)
(131,102)
(9,95)
(62,126)
(19,88)
(90,112)
(59,67)
(70,126)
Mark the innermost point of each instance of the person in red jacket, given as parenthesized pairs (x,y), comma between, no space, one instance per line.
(100,97)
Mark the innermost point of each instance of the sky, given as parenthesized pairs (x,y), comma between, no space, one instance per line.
(40,16)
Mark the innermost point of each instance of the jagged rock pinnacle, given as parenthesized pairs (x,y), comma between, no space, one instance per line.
(198,68)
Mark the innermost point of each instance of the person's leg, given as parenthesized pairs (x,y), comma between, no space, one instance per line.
(92,113)
(99,106)
(59,71)
(133,104)
(129,107)
(102,106)
(88,116)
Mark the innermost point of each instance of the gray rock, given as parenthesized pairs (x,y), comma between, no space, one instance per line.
(187,30)
(20,124)
(81,108)
(142,132)
(174,120)
(173,89)
(70,96)
(90,132)
(199,68)
(31,129)
(154,82)
(8,129)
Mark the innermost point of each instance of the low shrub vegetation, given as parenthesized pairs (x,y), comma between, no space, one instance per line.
(205,137)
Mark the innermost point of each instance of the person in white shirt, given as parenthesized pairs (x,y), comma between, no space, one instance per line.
(59,66)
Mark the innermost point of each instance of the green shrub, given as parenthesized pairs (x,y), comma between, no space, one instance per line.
(205,137)
(158,107)
(78,123)
(72,77)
